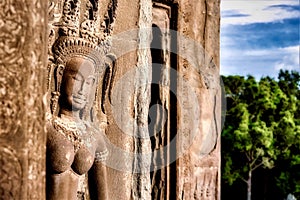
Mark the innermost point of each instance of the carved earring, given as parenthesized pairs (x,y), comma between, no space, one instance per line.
(85,112)
(108,80)
(54,102)
(55,95)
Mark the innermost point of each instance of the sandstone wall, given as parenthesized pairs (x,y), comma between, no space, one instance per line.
(189,93)
(128,111)
(22,87)
(185,150)
(198,170)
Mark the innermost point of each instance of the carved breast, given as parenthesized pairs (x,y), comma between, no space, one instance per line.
(60,151)
(67,150)
(83,161)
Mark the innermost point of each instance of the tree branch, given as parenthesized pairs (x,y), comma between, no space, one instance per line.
(243,179)
(257,166)
(253,162)
(248,156)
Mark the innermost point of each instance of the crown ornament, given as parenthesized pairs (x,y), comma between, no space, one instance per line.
(83,31)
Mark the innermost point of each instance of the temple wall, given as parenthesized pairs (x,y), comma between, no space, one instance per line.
(128,111)
(199,110)
(189,93)
(23,58)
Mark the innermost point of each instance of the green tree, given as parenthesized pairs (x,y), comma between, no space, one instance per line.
(286,172)
(261,126)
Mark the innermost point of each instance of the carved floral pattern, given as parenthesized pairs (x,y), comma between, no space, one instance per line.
(12,39)
(22,64)
(10,170)
(11,25)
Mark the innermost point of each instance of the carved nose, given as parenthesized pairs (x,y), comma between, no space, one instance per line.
(84,89)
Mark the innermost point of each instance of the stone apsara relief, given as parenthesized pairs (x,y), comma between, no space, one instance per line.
(80,75)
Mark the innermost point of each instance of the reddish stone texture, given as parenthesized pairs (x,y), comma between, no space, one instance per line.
(190,169)
(23,58)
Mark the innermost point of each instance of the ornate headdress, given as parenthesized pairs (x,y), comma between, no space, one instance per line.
(81,29)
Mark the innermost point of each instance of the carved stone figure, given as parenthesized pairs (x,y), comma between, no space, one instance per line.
(80,71)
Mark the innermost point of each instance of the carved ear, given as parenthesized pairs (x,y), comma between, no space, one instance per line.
(108,79)
(110,58)
(59,74)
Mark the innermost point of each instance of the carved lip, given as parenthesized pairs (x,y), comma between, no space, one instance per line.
(79,99)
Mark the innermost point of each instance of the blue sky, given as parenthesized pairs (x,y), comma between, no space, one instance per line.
(259,37)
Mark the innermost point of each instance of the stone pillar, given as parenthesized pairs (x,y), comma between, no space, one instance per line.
(130,153)
(22,87)
(189,94)
(199,102)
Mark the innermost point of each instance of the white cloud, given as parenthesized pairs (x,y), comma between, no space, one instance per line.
(290,59)
(255,11)
(262,62)
(261,52)
(241,56)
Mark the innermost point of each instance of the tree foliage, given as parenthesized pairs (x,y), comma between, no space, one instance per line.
(262,129)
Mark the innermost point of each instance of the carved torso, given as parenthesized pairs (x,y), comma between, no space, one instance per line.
(73,145)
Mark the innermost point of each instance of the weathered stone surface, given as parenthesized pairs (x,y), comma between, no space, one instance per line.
(182,144)
(198,170)
(127,131)
(159,114)
(198,104)
(22,87)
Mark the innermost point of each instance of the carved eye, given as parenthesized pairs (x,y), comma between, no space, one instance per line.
(77,78)
(90,81)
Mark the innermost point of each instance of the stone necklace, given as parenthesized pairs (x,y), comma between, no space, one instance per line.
(75,131)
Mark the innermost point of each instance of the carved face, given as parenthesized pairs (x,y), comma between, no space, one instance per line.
(77,82)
